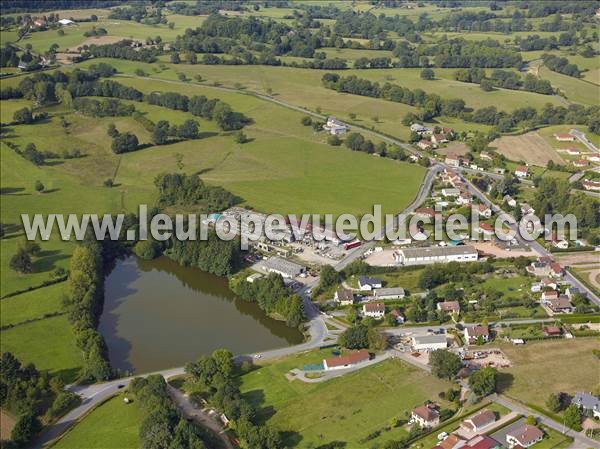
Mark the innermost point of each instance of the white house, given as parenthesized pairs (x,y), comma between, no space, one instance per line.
(524,436)
(419,129)
(473,333)
(521,171)
(479,421)
(373,309)
(426,416)
(482,210)
(510,201)
(452,160)
(334,126)
(66,22)
(367,284)
(450,192)
(283,267)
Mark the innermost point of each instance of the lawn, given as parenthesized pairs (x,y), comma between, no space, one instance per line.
(574,89)
(571,362)
(112,425)
(48,343)
(334,410)
(32,305)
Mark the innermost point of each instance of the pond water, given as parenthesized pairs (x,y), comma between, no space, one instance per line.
(159,314)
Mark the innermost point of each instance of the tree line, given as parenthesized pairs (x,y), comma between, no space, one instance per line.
(561,65)
(505,79)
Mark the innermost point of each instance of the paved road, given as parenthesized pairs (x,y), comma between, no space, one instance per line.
(584,140)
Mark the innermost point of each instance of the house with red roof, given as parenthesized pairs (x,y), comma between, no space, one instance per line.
(426,415)
(346,361)
(521,171)
(524,436)
(479,421)
(564,137)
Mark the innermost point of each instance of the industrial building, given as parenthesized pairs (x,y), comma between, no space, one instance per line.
(435,254)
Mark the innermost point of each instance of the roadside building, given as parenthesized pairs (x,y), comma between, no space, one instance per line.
(479,421)
(450,192)
(335,127)
(452,160)
(591,185)
(344,296)
(390,293)
(564,137)
(449,306)
(285,268)
(572,291)
(581,163)
(424,144)
(367,284)
(465,198)
(474,333)
(556,271)
(482,210)
(426,416)
(435,254)
(549,295)
(452,441)
(346,361)
(524,436)
(439,138)
(425,212)
(485,229)
(482,442)
(373,310)
(588,403)
(429,342)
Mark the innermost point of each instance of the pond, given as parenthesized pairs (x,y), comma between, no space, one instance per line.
(159,314)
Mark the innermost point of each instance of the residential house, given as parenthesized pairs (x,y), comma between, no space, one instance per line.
(524,436)
(450,193)
(572,291)
(482,442)
(426,416)
(572,152)
(465,198)
(452,441)
(39,23)
(254,277)
(419,129)
(425,212)
(335,127)
(429,342)
(549,283)
(390,293)
(591,185)
(556,271)
(344,296)
(552,331)
(485,229)
(510,201)
(474,333)
(486,156)
(521,171)
(346,361)
(560,305)
(479,421)
(439,138)
(588,403)
(564,137)
(373,309)
(549,294)
(483,210)
(366,284)
(526,209)
(424,144)
(449,306)
(398,316)
(448,132)
(581,163)
(453,160)
(593,157)
(285,268)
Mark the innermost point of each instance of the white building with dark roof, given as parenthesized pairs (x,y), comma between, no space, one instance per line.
(436,254)
(285,268)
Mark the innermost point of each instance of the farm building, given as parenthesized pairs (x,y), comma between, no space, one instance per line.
(346,361)
(390,293)
(435,254)
(429,342)
(283,267)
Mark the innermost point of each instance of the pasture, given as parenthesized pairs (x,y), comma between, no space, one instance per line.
(32,305)
(112,425)
(337,409)
(530,147)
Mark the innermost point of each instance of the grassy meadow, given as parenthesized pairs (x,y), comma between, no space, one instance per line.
(338,409)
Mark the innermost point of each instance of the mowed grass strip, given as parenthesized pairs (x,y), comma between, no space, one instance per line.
(48,343)
(346,408)
(112,425)
(32,305)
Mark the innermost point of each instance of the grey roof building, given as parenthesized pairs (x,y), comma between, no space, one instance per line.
(283,267)
(390,293)
(436,254)
(587,402)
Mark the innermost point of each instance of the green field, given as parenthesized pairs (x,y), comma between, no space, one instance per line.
(346,408)
(575,89)
(32,305)
(48,343)
(112,425)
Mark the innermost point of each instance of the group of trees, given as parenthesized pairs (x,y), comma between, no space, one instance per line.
(505,79)
(21,261)
(125,49)
(25,116)
(272,296)
(30,395)
(362,336)
(85,298)
(199,105)
(110,107)
(561,65)
(432,105)
(162,425)
(122,142)
(177,189)
(216,375)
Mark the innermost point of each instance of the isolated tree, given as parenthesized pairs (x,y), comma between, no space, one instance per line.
(39,187)
(484,381)
(112,130)
(306,120)
(572,416)
(444,364)
(427,74)
(23,116)
(175,59)
(191,57)
(486,85)
(21,262)
(334,140)
(355,141)
(328,277)
(553,402)
(25,429)
(241,137)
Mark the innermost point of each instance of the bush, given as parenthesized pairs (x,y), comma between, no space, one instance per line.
(147,249)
